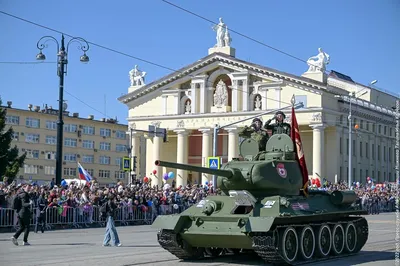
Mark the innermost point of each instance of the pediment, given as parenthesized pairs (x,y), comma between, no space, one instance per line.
(207,66)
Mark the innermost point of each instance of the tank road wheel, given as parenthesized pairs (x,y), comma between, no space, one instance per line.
(351,237)
(324,240)
(337,239)
(193,252)
(214,252)
(307,242)
(289,244)
(234,251)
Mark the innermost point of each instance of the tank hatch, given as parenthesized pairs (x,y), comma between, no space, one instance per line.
(248,148)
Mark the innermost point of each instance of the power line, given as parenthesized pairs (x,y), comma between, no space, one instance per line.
(122,53)
(238,33)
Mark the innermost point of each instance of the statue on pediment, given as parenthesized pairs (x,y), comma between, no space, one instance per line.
(136,76)
(221,94)
(223,37)
(318,63)
(257,103)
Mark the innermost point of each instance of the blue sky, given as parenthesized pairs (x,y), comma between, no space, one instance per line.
(361,36)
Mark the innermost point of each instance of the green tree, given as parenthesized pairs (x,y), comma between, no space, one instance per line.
(10,162)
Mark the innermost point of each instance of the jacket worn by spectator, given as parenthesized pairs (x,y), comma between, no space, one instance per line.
(26,210)
(111,208)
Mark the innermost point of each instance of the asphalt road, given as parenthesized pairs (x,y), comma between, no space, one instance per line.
(140,247)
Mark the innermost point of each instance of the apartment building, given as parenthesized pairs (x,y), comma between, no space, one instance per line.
(99,145)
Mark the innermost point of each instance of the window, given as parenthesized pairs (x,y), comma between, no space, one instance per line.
(361,149)
(12,120)
(70,172)
(301,98)
(49,170)
(50,155)
(373,151)
(52,140)
(32,122)
(120,175)
(105,132)
(353,149)
(70,128)
(340,145)
(104,173)
(32,138)
(390,154)
(88,130)
(90,172)
(105,146)
(366,150)
(69,157)
(366,173)
(88,144)
(51,125)
(121,148)
(31,169)
(104,160)
(118,161)
(15,136)
(68,142)
(88,158)
(32,154)
(379,152)
(119,134)
(361,176)
(384,153)
(347,146)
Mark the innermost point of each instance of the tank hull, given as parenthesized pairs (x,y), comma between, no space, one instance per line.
(264,227)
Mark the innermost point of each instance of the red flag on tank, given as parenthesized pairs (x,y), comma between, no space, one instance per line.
(295,135)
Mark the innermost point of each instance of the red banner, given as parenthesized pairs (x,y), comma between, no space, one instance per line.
(295,135)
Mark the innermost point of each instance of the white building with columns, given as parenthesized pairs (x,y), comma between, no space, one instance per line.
(220,89)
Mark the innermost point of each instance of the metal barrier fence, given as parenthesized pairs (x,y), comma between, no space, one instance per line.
(89,216)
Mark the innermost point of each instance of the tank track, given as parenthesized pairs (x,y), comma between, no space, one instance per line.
(171,242)
(264,244)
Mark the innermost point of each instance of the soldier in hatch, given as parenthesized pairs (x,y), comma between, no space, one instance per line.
(279,127)
(256,132)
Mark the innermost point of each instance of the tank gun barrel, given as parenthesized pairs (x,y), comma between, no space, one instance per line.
(218,172)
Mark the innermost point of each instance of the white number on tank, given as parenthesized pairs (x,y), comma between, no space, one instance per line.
(269,204)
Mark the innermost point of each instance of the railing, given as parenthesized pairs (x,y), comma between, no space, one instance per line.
(63,217)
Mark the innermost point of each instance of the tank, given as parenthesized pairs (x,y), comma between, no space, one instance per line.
(260,209)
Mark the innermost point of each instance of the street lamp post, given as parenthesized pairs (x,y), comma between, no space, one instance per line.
(62,62)
(129,148)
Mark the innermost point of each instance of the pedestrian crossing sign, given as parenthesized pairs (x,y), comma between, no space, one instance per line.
(213,162)
(126,163)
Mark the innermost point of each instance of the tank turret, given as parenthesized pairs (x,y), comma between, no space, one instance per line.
(273,172)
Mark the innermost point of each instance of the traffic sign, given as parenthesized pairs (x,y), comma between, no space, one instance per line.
(213,162)
(126,162)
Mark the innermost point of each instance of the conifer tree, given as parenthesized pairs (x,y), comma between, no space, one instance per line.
(10,162)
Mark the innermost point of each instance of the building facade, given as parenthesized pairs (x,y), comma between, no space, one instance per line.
(99,146)
(220,89)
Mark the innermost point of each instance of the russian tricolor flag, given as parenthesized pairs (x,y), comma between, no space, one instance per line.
(83,175)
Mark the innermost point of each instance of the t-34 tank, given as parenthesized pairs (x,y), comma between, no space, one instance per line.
(262,209)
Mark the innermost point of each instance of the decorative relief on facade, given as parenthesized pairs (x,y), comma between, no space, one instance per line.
(221,94)
(132,125)
(180,124)
(316,117)
(156,123)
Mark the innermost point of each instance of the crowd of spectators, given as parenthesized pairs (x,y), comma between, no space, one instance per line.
(163,200)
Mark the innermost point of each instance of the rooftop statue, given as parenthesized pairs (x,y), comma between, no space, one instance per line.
(136,76)
(223,37)
(318,63)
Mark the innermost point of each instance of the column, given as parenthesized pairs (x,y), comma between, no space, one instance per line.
(245,98)
(177,104)
(206,152)
(318,150)
(278,97)
(202,81)
(135,142)
(164,104)
(193,97)
(264,98)
(182,156)
(156,179)
(233,143)
(234,93)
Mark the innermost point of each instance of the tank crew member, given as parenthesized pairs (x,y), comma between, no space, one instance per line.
(279,127)
(256,132)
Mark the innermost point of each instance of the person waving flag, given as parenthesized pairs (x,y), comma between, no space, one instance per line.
(83,174)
